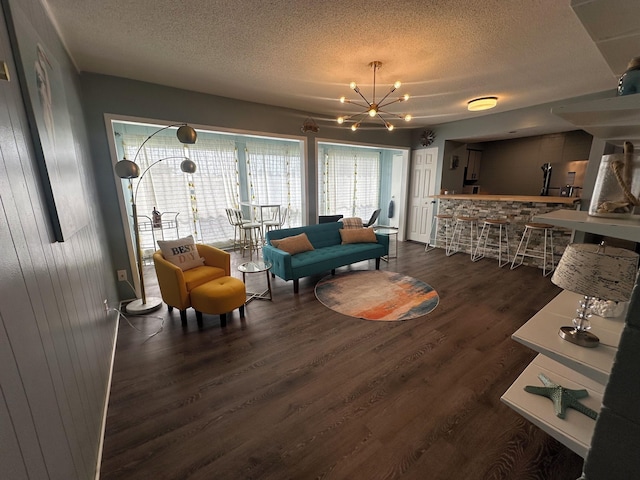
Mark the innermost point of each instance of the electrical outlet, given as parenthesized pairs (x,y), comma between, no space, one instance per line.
(122,275)
(106,306)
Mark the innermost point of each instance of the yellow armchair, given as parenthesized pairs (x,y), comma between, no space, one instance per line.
(175,284)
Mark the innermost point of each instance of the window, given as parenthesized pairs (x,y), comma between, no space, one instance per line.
(274,173)
(230,169)
(349,181)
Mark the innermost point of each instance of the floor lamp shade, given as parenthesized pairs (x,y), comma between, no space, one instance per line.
(187,135)
(127,169)
(596,272)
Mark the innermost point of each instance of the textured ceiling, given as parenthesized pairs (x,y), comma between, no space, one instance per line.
(302,54)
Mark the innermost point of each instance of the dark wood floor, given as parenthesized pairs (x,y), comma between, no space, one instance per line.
(296,391)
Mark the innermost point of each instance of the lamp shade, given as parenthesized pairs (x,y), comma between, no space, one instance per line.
(187,134)
(607,273)
(127,169)
(188,166)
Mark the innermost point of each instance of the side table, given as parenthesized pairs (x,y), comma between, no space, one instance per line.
(257,267)
(390,232)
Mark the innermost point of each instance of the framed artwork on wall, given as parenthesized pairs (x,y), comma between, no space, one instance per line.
(43,93)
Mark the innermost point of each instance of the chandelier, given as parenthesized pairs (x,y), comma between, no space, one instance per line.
(373,108)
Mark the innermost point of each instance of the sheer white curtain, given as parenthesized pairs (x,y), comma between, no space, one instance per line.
(274,175)
(200,200)
(350,179)
(217,183)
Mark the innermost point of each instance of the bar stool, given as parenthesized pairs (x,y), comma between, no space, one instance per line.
(546,231)
(435,233)
(235,220)
(456,243)
(502,239)
(251,238)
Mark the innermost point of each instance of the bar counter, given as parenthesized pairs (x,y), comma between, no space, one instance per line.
(517,209)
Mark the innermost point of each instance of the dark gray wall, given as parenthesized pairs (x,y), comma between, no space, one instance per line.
(56,340)
(514,166)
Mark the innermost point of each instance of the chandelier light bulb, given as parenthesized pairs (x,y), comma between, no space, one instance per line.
(389,126)
(342,99)
(340,120)
(355,126)
(353,85)
(373,111)
(397,85)
(406,97)
(407,118)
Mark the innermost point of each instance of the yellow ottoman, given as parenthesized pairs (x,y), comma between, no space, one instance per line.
(218,297)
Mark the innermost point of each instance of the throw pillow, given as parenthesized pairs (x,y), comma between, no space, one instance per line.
(358,235)
(352,222)
(294,244)
(181,252)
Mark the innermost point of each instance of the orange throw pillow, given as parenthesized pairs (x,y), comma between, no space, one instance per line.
(295,244)
(358,235)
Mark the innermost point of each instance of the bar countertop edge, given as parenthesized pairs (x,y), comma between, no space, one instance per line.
(512,198)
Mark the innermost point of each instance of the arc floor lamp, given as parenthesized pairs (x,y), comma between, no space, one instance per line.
(128,170)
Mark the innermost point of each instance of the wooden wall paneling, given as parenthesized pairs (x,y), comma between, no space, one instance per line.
(21,307)
(14,396)
(11,464)
(19,441)
(35,251)
(56,341)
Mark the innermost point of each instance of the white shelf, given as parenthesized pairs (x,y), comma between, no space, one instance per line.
(615,119)
(540,333)
(576,429)
(626,229)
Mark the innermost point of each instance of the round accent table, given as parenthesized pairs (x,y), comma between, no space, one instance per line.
(390,232)
(257,267)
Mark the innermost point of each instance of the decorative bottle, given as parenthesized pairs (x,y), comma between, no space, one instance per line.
(156,218)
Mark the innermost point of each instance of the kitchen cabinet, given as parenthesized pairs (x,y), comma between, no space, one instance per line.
(472,173)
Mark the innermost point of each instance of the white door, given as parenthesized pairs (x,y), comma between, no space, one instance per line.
(424,163)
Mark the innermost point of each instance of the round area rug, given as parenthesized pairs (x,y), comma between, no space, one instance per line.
(377,295)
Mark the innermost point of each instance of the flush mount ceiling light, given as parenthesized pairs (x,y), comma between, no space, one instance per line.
(373,108)
(484,103)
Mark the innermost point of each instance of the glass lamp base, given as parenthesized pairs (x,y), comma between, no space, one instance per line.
(579,337)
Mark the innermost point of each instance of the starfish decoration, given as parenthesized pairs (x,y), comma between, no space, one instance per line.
(562,398)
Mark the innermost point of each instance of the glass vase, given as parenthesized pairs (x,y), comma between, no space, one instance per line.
(617,187)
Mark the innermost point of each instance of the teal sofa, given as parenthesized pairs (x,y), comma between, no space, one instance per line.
(328,253)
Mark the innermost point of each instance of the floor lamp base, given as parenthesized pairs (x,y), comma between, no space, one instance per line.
(137,307)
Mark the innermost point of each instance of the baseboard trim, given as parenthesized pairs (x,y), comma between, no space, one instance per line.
(107,395)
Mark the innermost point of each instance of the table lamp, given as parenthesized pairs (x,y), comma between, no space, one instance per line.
(597,272)
(127,169)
